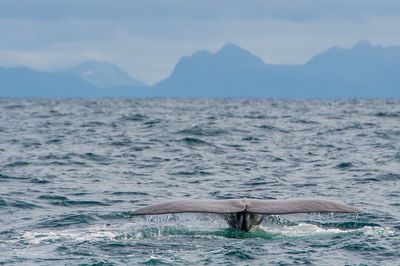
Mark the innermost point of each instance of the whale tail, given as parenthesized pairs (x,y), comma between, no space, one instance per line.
(247,205)
(243,214)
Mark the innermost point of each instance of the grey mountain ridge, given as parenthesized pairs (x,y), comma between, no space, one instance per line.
(26,82)
(103,74)
(363,71)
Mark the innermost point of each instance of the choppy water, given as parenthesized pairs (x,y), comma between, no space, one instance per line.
(72,171)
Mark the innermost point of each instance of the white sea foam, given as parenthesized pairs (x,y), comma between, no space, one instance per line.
(311,230)
(90,234)
(378,231)
(303,229)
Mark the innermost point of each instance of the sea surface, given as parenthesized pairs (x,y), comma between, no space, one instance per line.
(72,172)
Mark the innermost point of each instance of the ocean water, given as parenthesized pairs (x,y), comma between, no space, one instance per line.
(72,171)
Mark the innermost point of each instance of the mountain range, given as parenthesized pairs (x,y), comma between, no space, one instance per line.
(362,71)
(103,74)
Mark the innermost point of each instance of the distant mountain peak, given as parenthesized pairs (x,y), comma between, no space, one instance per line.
(231,47)
(231,52)
(362,45)
(230,56)
(103,74)
(335,55)
(201,53)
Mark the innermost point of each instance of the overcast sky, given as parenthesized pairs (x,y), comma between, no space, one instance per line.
(147,38)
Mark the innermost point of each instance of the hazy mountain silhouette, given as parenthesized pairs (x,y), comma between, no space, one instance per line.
(104,74)
(231,72)
(364,71)
(26,82)
(361,71)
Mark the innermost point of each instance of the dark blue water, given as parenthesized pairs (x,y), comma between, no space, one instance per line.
(72,171)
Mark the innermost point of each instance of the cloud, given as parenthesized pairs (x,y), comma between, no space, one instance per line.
(206,9)
(148,37)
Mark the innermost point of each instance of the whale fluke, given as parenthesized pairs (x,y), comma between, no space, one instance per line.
(242,214)
(297,206)
(247,205)
(194,205)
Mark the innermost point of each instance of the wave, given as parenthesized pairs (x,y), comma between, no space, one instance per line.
(388,114)
(5,177)
(344,165)
(134,117)
(274,128)
(64,201)
(195,142)
(4,203)
(202,131)
(378,178)
(17,164)
(192,173)
(66,220)
(140,193)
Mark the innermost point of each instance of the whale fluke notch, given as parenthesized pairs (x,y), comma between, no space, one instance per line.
(254,206)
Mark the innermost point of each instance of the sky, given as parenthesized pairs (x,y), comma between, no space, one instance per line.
(147,38)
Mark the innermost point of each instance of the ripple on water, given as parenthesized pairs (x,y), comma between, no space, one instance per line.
(71,203)
(66,220)
(19,204)
(240,254)
(6,177)
(116,215)
(274,129)
(158,261)
(197,130)
(90,156)
(122,142)
(388,114)
(192,173)
(153,122)
(134,117)
(17,164)
(379,178)
(129,193)
(52,197)
(251,139)
(39,181)
(344,165)
(195,142)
